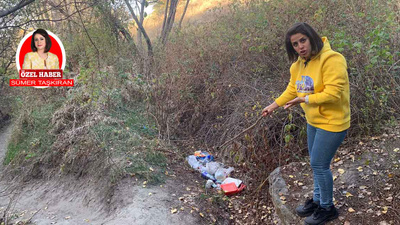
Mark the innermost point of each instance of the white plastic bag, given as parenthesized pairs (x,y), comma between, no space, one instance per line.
(223,173)
(212,167)
(194,163)
(232,180)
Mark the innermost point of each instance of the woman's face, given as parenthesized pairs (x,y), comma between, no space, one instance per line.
(301,44)
(40,42)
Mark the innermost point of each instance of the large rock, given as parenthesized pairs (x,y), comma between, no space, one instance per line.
(278,190)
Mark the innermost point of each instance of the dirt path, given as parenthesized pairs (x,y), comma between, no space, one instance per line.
(68,201)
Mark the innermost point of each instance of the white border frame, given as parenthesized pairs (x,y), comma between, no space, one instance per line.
(30,34)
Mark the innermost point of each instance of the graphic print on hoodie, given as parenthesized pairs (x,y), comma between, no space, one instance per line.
(305,85)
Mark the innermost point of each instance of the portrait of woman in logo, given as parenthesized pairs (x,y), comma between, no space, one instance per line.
(40,57)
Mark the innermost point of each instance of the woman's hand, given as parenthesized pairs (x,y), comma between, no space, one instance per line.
(294,102)
(269,109)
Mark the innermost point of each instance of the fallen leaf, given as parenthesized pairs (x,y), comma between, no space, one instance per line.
(351,210)
(389,199)
(67,217)
(150,194)
(334,177)
(348,194)
(187,189)
(182,208)
(291,176)
(174,211)
(151,169)
(263,217)
(283,198)
(144,182)
(396,149)
(360,169)
(341,171)
(337,159)
(385,209)
(363,187)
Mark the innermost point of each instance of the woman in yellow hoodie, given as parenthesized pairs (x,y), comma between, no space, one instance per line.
(319,83)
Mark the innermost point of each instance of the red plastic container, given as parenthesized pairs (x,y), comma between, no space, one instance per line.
(231,189)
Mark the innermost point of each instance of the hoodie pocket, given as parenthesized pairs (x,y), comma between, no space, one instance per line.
(333,114)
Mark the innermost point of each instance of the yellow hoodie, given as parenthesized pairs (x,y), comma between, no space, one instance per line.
(325,80)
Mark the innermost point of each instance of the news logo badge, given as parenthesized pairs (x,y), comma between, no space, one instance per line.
(40,61)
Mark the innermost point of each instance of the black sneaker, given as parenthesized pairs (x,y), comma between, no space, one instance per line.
(307,209)
(321,216)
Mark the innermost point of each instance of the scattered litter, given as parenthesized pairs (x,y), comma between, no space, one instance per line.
(223,173)
(214,172)
(232,180)
(210,184)
(208,176)
(231,188)
(212,167)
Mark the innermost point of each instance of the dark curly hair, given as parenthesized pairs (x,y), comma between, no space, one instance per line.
(46,37)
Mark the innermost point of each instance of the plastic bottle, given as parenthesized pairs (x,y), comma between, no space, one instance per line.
(193,162)
(208,176)
(223,173)
(210,184)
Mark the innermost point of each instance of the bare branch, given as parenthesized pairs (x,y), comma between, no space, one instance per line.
(149,46)
(19,6)
(44,20)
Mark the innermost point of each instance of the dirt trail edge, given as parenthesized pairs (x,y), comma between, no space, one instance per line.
(68,201)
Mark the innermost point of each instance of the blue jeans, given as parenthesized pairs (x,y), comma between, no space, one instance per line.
(322,146)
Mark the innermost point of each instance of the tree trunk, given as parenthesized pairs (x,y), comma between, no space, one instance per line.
(183,14)
(165,18)
(141,19)
(169,21)
(150,58)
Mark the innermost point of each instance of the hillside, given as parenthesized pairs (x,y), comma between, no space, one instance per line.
(120,136)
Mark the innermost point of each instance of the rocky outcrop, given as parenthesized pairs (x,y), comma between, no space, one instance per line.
(278,190)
